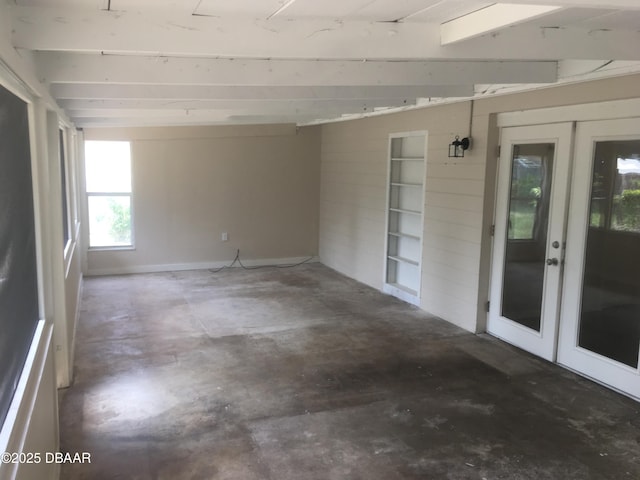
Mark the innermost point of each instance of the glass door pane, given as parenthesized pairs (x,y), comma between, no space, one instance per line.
(527,226)
(610,307)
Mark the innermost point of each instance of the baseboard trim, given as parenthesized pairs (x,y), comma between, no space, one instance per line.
(176,267)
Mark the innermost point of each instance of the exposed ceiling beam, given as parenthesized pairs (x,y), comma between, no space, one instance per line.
(214,118)
(38,28)
(489,19)
(118,107)
(193,92)
(83,68)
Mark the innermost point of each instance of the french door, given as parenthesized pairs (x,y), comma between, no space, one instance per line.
(600,315)
(566,257)
(529,236)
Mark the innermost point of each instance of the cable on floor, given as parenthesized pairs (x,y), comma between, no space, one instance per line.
(216,270)
(237,260)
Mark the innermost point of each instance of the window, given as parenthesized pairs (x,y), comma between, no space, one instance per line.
(108,184)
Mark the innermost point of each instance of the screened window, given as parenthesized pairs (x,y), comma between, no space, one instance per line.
(19,310)
(108,184)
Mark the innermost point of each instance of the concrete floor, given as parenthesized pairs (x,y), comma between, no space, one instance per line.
(304,374)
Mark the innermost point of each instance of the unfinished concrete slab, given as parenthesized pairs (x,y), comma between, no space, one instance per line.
(302,373)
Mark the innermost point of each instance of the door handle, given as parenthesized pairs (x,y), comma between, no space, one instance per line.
(552,261)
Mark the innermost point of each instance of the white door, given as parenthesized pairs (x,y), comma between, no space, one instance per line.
(600,316)
(530,223)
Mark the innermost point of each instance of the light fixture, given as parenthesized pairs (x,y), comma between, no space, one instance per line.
(457,147)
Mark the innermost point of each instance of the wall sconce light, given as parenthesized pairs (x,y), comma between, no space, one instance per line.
(457,147)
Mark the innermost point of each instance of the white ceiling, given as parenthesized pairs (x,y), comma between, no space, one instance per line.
(174,62)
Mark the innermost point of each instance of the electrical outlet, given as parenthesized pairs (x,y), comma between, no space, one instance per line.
(225,236)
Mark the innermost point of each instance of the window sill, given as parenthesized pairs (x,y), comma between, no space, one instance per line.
(113,248)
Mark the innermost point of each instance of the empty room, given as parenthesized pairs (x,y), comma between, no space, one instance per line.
(319,240)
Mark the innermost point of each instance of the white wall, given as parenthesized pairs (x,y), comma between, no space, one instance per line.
(190,184)
(458,193)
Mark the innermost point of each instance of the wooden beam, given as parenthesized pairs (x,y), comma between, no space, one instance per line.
(120,107)
(220,118)
(489,19)
(96,91)
(127,69)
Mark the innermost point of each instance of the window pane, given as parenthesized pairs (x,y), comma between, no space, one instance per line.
(615,193)
(529,173)
(108,166)
(626,203)
(523,281)
(109,221)
(610,313)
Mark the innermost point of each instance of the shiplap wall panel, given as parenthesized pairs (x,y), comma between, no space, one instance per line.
(454,216)
(467,203)
(459,247)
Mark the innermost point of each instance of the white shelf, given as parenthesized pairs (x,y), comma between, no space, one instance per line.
(413,185)
(405,235)
(404,260)
(410,212)
(407,163)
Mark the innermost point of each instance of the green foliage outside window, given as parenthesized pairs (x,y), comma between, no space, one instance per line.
(525,194)
(626,209)
(120,221)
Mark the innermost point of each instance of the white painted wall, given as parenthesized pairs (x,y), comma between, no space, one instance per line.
(190,184)
(458,197)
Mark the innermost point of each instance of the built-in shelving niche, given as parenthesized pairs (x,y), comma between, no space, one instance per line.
(403,257)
